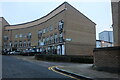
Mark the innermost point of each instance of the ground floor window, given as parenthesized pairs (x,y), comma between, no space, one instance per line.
(59,49)
(29,43)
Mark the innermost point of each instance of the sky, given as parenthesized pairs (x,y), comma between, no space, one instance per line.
(22,11)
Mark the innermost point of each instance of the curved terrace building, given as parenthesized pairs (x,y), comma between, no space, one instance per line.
(64,31)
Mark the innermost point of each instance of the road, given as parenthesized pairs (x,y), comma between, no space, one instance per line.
(13,67)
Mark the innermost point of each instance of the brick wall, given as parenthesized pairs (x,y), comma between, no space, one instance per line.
(107,59)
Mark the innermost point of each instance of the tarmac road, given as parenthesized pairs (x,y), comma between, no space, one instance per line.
(13,68)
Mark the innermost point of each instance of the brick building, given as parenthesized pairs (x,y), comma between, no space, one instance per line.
(3,22)
(106,36)
(64,31)
(116,21)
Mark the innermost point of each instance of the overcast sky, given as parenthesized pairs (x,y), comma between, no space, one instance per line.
(21,11)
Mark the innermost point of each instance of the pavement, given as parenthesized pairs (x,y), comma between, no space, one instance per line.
(81,70)
(86,70)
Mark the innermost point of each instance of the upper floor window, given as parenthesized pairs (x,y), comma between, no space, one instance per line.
(5,44)
(61,37)
(43,41)
(51,39)
(51,28)
(29,36)
(25,36)
(16,36)
(48,40)
(39,42)
(60,25)
(47,29)
(24,43)
(5,37)
(44,30)
(55,38)
(20,35)
(39,33)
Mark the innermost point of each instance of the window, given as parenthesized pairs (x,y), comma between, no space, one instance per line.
(43,30)
(39,42)
(47,29)
(5,38)
(43,41)
(51,39)
(5,44)
(55,38)
(15,44)
(25,36)
(47,40)
(20,35)
(29,36)
(20,44)
(16,36)
(60,26)
(40,33)
(24,43)
(61,37)
(51,28)
(29,43)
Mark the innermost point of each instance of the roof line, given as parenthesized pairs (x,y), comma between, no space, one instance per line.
(81,13)
(39,18)
(34,25)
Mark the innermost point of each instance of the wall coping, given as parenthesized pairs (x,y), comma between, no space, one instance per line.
(107,48)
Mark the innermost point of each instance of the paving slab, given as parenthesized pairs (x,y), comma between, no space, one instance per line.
(88,71)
